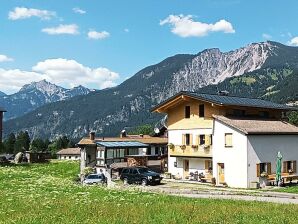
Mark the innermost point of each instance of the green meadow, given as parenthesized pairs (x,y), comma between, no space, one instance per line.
(47,193)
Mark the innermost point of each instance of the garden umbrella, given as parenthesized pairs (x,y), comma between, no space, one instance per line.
(278,167)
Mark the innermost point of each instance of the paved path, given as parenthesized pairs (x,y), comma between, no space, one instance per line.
(205,191)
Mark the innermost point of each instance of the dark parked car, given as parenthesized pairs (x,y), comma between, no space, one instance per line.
(140,175)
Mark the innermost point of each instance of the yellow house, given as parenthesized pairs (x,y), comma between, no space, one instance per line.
(191,119)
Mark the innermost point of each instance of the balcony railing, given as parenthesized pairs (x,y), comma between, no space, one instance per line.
(191,150)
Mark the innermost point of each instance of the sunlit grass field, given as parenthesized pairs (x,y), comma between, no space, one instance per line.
(47,193)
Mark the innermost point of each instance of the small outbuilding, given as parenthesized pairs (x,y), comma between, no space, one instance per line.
(69,154)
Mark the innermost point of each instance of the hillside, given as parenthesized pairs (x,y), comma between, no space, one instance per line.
(34,95)
(259,70)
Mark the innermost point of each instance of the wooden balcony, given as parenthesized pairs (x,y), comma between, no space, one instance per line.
(191,151)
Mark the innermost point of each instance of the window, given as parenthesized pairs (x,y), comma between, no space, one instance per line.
(64,157)
(201,110)
(208,166)
(264,114)
(187,139)
(76,157)
(135,171)
(289,166)
(263,169)
(228,139)
(187,112)
(202,139)
(238,113)
(156,150)
(69,157)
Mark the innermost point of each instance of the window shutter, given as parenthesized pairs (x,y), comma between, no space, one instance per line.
(294,166)
(183,139)
(207,140)
(206,165)
(284,167)
(197,140)
(268,168)
(258,170)
(190,140)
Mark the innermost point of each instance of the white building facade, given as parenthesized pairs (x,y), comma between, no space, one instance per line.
(248,155)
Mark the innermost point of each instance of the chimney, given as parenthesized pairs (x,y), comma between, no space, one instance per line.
(123,134)
(141,135)
(223,93)
(92,135)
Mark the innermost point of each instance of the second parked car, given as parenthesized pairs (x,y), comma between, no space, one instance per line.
(141,175)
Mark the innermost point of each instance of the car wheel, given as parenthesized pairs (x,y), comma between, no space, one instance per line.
(125,181)
(144,182)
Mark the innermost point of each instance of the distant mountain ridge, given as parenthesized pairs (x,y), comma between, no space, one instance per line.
(36,94)
(254,70)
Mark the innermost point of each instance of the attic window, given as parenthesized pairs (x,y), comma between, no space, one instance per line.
(201,110)
(187,111)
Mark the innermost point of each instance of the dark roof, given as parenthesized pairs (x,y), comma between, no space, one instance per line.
(122,144)
(258,126)
(2,109)
(230,101)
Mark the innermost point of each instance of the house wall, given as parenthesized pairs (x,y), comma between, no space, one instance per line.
(195,164)
(72,157)
(234,158)
(175,136)
(264,148)
(177,120)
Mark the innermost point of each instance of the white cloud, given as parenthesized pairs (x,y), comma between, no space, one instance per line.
(185,26)
(25,13)
(98,35)
(126,30)
(78,10)
(294,41)
(266,36)
(12,80)
(64,72)
(4,58)
(71,29)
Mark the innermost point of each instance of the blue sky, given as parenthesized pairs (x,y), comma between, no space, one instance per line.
(49,39)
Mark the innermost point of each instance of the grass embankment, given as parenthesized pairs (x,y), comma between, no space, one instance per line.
(46,193)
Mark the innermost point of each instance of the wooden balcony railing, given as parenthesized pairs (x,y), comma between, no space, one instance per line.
(191,151)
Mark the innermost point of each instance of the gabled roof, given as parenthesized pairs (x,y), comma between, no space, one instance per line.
(258,126)
(146,139)
(69,151)
(228,101)
(126,144)
(2,109)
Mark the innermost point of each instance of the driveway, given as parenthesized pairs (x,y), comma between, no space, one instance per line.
(207,191)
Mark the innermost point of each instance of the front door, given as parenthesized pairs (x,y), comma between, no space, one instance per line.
(221,173)
(185,168)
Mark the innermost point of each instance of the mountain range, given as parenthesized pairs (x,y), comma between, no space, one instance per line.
(264,70)
(34,95)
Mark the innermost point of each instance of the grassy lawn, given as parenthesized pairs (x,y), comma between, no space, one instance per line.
(47,194)
(290,189)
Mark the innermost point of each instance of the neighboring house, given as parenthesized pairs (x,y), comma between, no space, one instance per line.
(211,134)
(69,154)
(9,157)
(119,152)
(2,110)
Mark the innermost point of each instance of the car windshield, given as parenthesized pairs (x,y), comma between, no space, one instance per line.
(145,170)
(94,177)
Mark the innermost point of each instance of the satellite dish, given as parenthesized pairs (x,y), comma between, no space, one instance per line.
(156,130)
(123,131)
